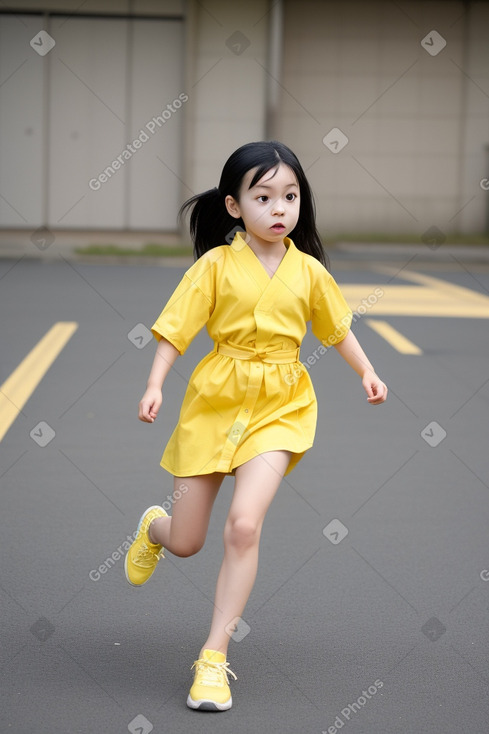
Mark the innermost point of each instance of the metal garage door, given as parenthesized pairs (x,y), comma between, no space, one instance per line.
(90,131)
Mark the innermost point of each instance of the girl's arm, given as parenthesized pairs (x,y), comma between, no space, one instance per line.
(150,403)
(352,352)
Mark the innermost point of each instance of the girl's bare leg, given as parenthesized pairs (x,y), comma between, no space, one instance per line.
(256,484)
(183,534)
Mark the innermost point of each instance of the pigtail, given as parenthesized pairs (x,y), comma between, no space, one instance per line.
(210,223)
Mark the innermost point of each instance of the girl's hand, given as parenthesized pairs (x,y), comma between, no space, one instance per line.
(374,387)
(150,404)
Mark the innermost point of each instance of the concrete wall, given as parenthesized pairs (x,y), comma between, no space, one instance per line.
(226,81)
(99,7)
(417,124)
(69,117)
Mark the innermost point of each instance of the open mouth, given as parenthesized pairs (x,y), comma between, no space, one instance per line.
(278,227)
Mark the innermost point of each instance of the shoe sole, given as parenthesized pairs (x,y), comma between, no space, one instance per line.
(148,509)
(204,704)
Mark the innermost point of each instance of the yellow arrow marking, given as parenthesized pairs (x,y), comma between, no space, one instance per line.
(431,297)
(17,389)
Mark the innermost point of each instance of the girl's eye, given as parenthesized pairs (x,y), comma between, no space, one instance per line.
(263,198)
(291,197)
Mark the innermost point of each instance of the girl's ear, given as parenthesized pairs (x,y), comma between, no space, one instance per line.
(232,206)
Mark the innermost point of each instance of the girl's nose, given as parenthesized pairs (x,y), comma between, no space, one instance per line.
(278,208)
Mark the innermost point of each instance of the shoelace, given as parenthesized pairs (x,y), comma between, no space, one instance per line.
(213,673)
(145,557)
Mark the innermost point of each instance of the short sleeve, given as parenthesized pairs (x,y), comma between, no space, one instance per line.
(331,316)
(189,307)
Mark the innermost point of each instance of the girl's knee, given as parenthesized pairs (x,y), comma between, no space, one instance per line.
(241,533)
(186,548)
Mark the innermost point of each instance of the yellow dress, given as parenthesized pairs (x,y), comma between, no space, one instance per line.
(250,394)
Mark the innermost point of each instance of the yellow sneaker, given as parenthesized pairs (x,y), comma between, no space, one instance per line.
(210,690)
(143,555)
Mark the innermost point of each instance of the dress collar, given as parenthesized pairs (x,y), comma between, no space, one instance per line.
(240,245)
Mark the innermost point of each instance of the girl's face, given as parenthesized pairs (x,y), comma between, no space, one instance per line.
(270,209)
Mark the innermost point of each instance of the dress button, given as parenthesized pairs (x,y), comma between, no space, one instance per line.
(246,410)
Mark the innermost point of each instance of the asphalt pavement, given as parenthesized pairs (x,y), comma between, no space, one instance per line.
(370,612)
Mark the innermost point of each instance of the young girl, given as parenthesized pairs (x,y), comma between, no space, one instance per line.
(250,408)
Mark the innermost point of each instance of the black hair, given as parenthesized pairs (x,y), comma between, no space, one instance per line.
(210,223)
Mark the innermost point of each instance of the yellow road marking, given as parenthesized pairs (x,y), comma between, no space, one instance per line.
(394,337)
(17,389)
(429,297)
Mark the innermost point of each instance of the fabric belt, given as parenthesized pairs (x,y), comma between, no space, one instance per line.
(272,356)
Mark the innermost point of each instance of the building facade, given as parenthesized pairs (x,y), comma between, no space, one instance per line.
(113,113)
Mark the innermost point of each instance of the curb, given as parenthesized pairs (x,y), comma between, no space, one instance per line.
(50,247)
